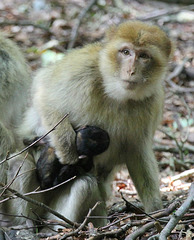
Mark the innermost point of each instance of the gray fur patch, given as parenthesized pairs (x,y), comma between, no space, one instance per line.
(4,55)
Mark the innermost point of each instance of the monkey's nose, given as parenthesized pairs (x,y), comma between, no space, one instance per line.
(132,72)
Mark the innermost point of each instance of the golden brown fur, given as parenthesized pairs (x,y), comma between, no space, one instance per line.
(115,85)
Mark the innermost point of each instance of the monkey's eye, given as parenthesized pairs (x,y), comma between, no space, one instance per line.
(125,52)
(144,55)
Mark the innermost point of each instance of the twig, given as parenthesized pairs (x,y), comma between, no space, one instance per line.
(54,222)
(82,225)
(47,235)
(23,23)
(178,214)
(184,174)
(49,189)
(179,145)
(164,12)
(139,209)
(140,231)
(178,69)
(23,173)
(21,216)
(13,179)
(147,226)
(82,14)
(40,204)
(32,144)
(114,233)
(163,148)
(122,6)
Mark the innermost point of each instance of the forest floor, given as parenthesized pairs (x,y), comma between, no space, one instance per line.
(46,29)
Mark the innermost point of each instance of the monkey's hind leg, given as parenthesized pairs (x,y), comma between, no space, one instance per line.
(73,200)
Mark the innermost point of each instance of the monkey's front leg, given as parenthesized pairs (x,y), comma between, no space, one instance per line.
(143,170)
(62,139)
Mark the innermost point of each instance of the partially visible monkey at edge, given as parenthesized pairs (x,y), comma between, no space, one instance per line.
(15,81)
(116,85)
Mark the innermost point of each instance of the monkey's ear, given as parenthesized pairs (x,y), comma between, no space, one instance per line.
(168,48)
(171,49)
(110,33)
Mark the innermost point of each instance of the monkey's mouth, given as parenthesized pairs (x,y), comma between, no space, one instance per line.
(130,84)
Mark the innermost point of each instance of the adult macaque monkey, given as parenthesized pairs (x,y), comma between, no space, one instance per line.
(117,86)
(15,81)
(14,85)
(14,88)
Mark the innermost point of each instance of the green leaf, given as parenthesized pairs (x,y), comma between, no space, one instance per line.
(50,56)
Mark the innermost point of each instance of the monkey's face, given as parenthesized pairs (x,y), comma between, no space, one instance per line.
(133,64)
(132,72)
(134,61)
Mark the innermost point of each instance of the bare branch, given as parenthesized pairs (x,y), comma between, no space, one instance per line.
(23,23)
(82,14)
(147,226)
(13,179)
(178,214)
(51,188)
(159,13)
(82,225)
(25,149)
(178,69)
(163,148)
(40,204)
(184,174)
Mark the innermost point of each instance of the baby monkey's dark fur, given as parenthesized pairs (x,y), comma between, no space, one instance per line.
(90,141)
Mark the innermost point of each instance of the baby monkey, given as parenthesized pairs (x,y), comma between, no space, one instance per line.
(90,141)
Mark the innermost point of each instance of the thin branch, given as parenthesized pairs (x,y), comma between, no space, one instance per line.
(163,148)
(179,145)
(49,189)
(184,174)
(40,204)
(147,226)
(54,222)
(82,225)
(23,23)
(14,178)
(176,217)
(112,234)
(139,209)
(178,69)
(140,231)
(82,14)
(35,142)
(122,6)
(158,14)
